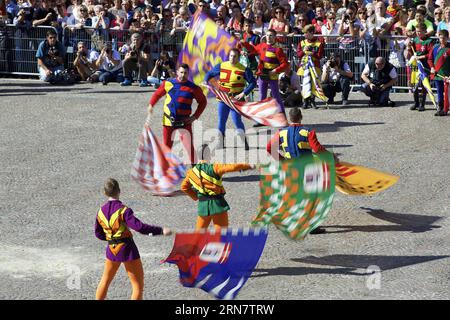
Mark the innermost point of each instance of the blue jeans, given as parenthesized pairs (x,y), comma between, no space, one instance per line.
(378,97)
(152,80)
(224,111)
(55,70)
(108,76)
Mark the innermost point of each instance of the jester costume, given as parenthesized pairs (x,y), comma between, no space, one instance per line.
(421,48)
(112,224)
(204,183)
(271,58)
(177,108)
(439,59)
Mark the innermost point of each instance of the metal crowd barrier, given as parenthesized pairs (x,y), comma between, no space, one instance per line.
(18,46)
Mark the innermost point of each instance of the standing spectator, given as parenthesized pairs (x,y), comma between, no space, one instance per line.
(393,8)
(213,6)
(439,61)
(137,5)
(182,21)
(250,37)
(438,16)
(420,18)
(22,34)
(379,76)
(100,21)
(300,23)
(117,10)
(50,57)
(336,77)
(279,22)
(330,28)
(402,22)
(302,7)
(260,27)
(44,15)
(263,6)
(319,20)
(137,58)
(109,65)
(445,23)
(82,21)
(236,21)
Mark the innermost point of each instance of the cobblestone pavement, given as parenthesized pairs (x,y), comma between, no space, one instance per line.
(59,144)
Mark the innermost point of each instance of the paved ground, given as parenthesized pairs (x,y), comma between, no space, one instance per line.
(59,144)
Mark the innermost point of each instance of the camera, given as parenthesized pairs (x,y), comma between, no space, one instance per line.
(133,53)
(346,17)
(332,63)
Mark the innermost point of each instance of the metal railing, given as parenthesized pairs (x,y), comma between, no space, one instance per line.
(18,48)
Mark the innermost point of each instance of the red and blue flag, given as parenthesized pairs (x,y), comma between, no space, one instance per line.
(218,262)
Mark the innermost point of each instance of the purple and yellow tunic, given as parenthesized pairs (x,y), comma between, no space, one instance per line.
(112,223)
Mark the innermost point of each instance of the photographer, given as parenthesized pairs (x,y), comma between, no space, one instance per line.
(137,58)
(379,76)
(84,62)
(50,57)
(336,77)
(164,69)
(109,65)
(290,89)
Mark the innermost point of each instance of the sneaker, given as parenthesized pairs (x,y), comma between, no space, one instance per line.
(126,82)
(143,83)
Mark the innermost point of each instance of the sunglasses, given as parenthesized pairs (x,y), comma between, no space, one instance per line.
(278,12)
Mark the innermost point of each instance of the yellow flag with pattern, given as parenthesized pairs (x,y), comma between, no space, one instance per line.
(357,180)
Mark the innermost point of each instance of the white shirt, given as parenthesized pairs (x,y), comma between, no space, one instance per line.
(333,75)
(392,74)
(107,64)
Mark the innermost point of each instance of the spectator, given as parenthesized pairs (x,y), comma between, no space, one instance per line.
(319,20)
(137,5)
(165,24)
(402,22)
(330,28)
(44,15)
(262,6)
(300,23)
(117,10)
(109,65)
(260,27)
(22,33)
(100,21)
(163,70)
(279,22)
(181,21)
(338,8)
(250,37)
(336,77)
(236,21)
(445,23)
(222,12)
(82,21)
(378,76)
(393,8)
(84,61)
(302,7)
(213,6)
(290,89)
(221,23)
(419,18)
(50,57)
(137,58)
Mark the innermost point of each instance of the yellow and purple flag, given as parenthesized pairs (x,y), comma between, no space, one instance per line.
(418,74)
(358,180)
(205,45)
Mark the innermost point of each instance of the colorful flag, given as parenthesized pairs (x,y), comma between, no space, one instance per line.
(425,82)
(266,111)
(155,167)
(311,83)
(204,46)
(217,262)
(296,194)
(357,180)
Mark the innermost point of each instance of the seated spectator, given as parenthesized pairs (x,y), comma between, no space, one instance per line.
(419,18)
(379,76)
(50,57)
(290,89)
(84,61)
(109,65)
(164,69)
(336,77)
(137,58)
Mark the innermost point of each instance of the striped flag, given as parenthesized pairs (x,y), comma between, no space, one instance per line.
(155,167)
(311,83)
(266,111)
(218,262)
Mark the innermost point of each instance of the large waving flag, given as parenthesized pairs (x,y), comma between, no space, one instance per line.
(357,180)
(218,262)
(155,167)
(204,46)
(311,83)
(266,111)
(296,194)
